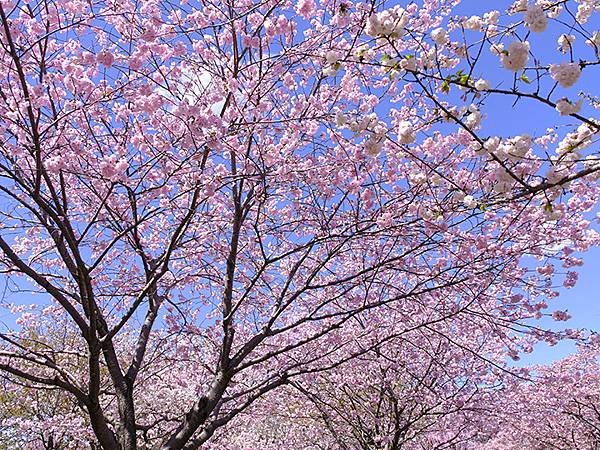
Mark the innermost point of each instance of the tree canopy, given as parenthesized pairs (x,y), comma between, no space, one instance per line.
(294,225)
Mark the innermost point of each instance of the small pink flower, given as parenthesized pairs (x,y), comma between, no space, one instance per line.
(105,58)
(571,279)
(561,316)
(306,8)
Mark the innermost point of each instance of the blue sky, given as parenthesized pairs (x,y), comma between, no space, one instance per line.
(583,304)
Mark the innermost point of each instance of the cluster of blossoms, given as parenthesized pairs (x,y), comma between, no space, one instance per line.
(333,63)
(551,7)
(515,57)
(561,316)
(566,107)
(408,63)
(515,148)
(533,13)
(517,6)
(565,42)
(387,23)
(56,163)
(491,20)
(113,167)
(440,36)
(566,74)
(106,58)
(482,84)
(585,10)
(368,123)
(577,140)
(592,162)
(357,125)
(374,144)
(595,40)
(473,23)
(554,408)
(306,8)
(469,201)
(394,65)
(406,133)
(363,52)
(536,19)
(473,119)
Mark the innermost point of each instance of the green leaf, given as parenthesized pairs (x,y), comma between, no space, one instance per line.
(445,86)
(525,78)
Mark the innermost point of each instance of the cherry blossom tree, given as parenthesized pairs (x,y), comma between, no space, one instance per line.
(45,419)
(206,203)
(417,404)
(558,409)
(409,393)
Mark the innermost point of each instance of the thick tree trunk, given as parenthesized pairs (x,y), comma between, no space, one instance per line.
(197,415)
(106,438)
(126,430)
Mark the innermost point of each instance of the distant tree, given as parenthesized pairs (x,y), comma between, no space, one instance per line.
(557,410)
(406,394)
